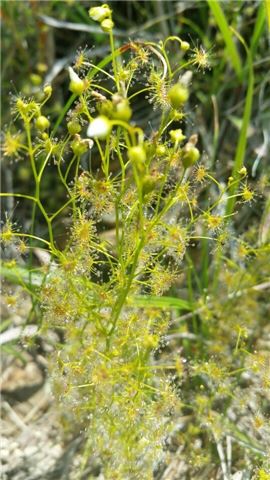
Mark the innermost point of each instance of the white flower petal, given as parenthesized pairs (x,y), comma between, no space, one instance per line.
(100,127)
(73,75)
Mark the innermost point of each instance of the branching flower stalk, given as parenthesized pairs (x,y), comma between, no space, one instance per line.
(109,373)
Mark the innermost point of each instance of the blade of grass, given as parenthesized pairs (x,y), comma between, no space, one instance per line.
(227,36)
(258,29)
(162,302)
(12,350)
(4,325)
(267,10)
(17,274)
(242,142)
(240,151)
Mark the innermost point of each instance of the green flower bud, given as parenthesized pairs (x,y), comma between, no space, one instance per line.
(42,67)
(35,79)
(178,95)
(76,87)
(47,90)
(73,127)
(177,115)
(243,171)
(76,84)
(42,123)
(122,110)
(106,108)
(107,25)
(184,46)
(177,135)
(78,146)
(100,13)
(190,155)
(137,155)
(161,150)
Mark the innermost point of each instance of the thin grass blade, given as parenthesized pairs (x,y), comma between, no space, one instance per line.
(16,275)
(163,302)
(227,36)
(267,9)
(242,142)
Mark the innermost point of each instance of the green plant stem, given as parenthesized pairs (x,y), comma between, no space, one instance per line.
(34,171)
(43,166)
(115,70)
(52,217)
(30,149)
(123,295)
(18,195)
(28,235)
(164,53)
(63,113)
(69,167)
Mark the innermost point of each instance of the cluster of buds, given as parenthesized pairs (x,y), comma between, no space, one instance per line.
(189,153)
(116,109)
(103,15)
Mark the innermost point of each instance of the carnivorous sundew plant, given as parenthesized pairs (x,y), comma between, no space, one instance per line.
(135,206)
